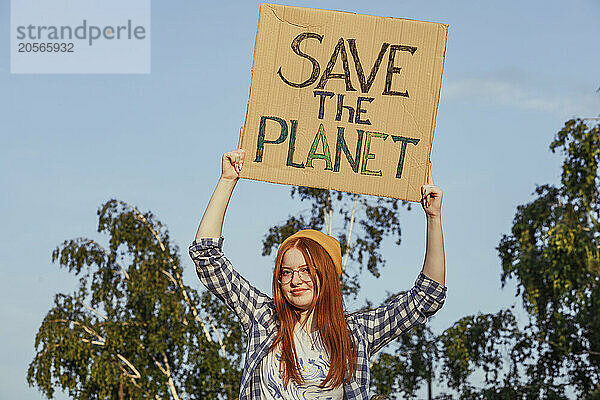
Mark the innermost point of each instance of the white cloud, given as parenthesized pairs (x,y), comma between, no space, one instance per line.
(542,96)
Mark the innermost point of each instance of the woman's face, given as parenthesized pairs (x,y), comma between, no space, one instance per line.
(298,292)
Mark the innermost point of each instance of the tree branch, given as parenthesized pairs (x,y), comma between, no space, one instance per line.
(130,365)
(84,327)
(170,381)
(86,307)
(134,382)
(170,277)
(91,309)
(179,280)
(136,374)
(542,340)
(123,271)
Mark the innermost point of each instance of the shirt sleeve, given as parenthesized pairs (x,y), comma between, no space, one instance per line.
(218,275)
(386,322)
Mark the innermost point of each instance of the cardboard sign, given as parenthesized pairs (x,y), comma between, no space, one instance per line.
(343,101)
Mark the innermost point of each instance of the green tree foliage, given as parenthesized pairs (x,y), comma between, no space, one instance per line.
(133,329)
(489,345)
(402,372)
(553,253)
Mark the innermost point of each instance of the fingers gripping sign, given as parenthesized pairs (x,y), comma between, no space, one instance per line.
(431,197)
(232,164)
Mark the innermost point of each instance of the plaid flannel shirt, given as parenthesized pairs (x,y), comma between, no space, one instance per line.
(372,329)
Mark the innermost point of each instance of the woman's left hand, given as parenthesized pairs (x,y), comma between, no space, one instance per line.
(431,198)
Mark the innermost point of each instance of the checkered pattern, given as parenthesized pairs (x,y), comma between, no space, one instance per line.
(372,329)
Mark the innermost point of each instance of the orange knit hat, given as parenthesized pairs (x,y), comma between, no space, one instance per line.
(330,244)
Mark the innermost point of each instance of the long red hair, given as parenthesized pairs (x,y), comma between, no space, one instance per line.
(328,314)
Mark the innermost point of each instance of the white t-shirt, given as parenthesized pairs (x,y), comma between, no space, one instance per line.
(314,366)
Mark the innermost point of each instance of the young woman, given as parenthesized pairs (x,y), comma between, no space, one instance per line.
(301,344)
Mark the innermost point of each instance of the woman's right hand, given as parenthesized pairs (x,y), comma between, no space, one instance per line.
(232,163)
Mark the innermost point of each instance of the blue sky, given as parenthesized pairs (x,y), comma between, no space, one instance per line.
(514,72)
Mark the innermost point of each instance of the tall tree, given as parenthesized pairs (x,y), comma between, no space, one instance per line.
(553,253)
(133,329)
(408,367)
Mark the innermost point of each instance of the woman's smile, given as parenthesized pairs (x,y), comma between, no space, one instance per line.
(298,292)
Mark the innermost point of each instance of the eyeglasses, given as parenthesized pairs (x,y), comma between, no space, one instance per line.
(287,275)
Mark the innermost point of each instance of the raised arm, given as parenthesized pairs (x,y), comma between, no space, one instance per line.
(211,225)
(426,297)
(434,264)
(213,268)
